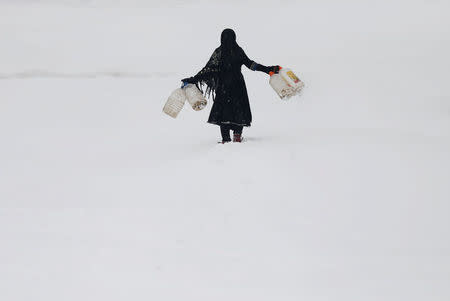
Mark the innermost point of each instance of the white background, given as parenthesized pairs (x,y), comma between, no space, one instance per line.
(340,194)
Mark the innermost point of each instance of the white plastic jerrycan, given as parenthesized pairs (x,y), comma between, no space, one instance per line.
(286,83)
(195,97)
(175,103)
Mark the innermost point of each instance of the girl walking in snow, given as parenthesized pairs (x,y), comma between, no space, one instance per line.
(223,79)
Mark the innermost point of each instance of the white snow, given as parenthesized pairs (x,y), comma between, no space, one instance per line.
(342,194)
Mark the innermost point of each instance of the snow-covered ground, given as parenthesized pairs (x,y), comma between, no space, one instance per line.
(342,194)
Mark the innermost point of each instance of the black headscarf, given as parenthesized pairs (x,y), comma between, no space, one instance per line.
(228,47)
(219,68)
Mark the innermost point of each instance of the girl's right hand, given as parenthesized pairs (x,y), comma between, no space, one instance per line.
(275,69)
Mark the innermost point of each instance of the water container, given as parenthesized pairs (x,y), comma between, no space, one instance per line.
(280,85)
(195,97)
(286,83)
(175,103)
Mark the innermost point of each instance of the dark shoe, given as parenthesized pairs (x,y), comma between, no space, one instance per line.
(224,141)
(237,138)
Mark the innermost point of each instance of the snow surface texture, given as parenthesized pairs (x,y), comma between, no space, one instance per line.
(342,194)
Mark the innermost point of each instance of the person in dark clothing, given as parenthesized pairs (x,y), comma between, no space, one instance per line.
(224,81)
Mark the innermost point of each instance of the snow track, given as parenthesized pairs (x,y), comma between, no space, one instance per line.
(38,74)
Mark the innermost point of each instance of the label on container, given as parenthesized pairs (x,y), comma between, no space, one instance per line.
(293,76)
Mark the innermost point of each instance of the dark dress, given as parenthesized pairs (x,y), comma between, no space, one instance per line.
(222,76)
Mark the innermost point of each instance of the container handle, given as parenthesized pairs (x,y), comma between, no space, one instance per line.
(272,73)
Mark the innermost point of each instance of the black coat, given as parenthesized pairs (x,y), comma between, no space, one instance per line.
(222,76)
